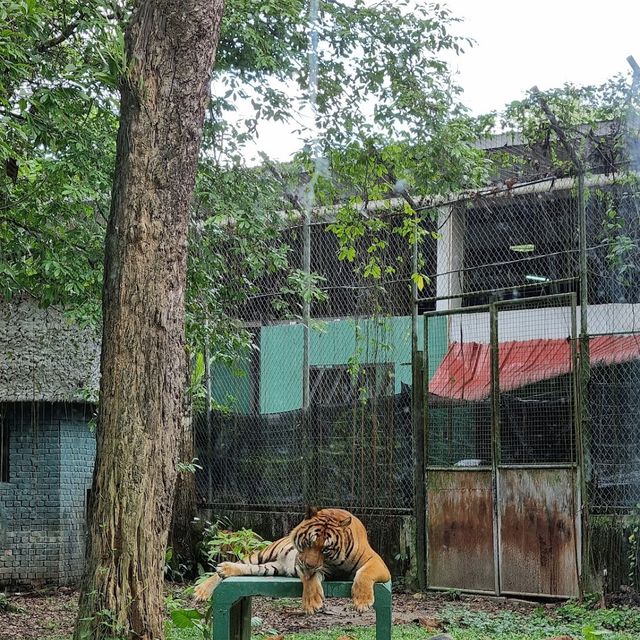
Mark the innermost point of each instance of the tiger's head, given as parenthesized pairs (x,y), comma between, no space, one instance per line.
(321,539)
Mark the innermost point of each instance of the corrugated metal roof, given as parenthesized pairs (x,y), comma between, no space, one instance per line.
(465,372)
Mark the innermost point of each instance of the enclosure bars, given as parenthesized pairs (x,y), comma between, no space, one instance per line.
(422,442)
(578,447)
(575,438)
(417,403)
(494,342)
(209,423)
(584,370)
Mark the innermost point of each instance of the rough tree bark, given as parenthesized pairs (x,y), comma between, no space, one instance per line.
(170,50)
(181,533)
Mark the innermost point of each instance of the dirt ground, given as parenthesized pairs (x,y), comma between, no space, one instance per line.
(51,615)
(287,617)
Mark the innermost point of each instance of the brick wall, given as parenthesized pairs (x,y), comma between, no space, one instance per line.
(42,506)
(77,454)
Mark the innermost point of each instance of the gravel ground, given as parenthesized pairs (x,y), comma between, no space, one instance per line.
(50,615)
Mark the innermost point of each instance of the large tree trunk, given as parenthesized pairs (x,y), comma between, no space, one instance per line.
(170,49)
(181,534)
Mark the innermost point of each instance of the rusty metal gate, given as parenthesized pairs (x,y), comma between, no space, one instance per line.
(502,472)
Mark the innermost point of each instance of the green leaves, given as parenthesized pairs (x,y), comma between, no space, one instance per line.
(421,280)
(379,69)
(591,633)
(222,544)
(186,618)
(59,125)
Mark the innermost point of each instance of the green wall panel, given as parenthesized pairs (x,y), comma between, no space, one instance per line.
(336,342)
(231,386)
(281,368)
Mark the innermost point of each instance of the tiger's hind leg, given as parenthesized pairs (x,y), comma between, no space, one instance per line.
(277,568)
(263,563)
(283,565)
(204,590)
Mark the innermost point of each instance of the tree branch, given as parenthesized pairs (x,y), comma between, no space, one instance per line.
(555,125)
(64,34)
(44,237)
(392,179)
(291,197)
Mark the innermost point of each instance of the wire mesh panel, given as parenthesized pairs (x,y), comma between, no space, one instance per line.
(613,254)
(458,404)
(612,407)
(460,495)
(362,454)
(614,414)
(518,247)
(253,461)
(534,366)
(346,439)
(535,380)
(355,453)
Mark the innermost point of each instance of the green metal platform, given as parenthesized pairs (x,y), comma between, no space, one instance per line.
(231,603)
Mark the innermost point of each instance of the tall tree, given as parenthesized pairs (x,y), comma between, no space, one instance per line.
(170,47)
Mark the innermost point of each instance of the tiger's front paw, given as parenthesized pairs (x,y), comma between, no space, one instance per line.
(362,596)
(228,569)
(312,598)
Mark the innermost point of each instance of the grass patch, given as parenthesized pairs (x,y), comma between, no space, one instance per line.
(8,607)
(572,619)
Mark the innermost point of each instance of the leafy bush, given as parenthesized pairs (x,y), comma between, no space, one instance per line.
(174,570)
(221,543)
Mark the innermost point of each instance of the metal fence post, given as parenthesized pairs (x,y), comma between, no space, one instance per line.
(494,342)
(584,374)
(419,466)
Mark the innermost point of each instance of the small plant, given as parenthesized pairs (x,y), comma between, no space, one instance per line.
(452,594)
(220,543)
(633,550)
(108,625)
(185,617)
(6,606)
(590,633)
(188,467)
(174,571)
(233,545)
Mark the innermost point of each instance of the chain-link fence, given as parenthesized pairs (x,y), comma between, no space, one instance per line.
(318,414)
(612,407)
(321,412)
(523,244)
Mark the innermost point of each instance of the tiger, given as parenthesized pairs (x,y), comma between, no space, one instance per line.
(328,543)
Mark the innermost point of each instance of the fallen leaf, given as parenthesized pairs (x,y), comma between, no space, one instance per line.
(430,623)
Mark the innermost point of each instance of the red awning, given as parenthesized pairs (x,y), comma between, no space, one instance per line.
(465,372)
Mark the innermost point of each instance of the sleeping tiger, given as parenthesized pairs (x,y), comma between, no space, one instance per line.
(329,543)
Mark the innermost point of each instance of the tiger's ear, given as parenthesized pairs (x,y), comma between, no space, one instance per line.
(345,523)
(311,512)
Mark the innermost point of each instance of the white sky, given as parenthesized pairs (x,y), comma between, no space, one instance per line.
(521,44)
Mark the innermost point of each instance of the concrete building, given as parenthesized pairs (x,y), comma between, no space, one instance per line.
(48,379)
